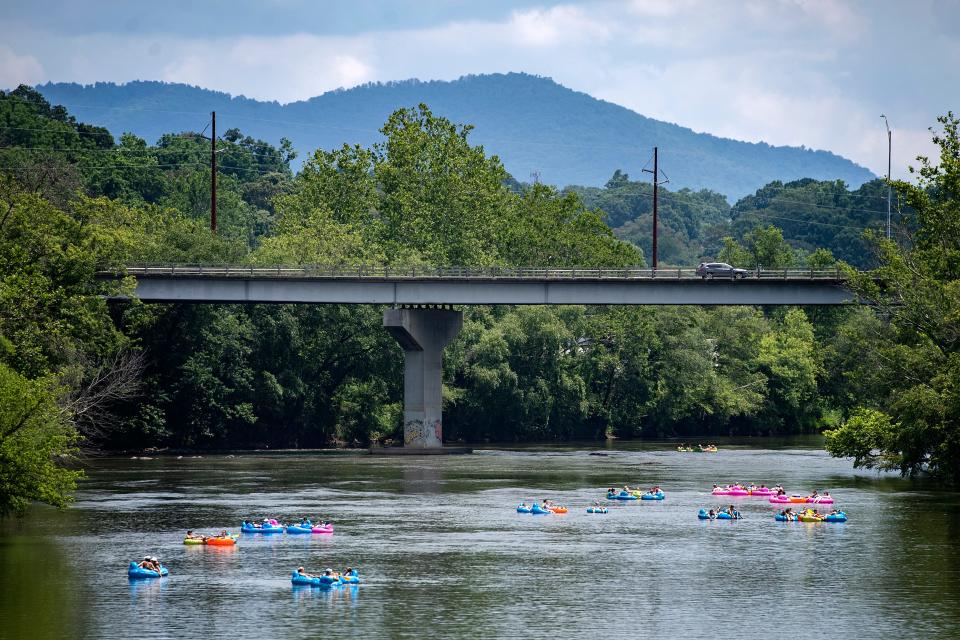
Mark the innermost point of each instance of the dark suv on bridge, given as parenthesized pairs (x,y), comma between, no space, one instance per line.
(721,270)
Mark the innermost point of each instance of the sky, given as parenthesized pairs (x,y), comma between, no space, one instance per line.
(817,73)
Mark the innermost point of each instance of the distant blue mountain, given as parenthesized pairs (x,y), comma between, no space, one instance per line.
(532,123)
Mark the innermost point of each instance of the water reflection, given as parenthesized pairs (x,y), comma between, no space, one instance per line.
(146,592)
(330,594)
(422,479)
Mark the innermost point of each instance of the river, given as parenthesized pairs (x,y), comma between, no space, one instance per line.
(442,552)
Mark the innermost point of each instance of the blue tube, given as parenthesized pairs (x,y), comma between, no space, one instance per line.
(623,495)
(703,515)
(836,517)
(523,509)
(537,510)
(596,510)
(659,495)
(292,528)
(320,581)
(135,571)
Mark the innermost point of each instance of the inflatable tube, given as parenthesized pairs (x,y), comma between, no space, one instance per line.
(328,528)
(293,528)
(723,515)
(352,578)
(659,495)
(559,509)
(538,511)
(135,571)
(229,541)
(803,517)
(703,515)
(623,495)
(766,493)
(782,518)
(738,492)
(249,528)
(836,517)
(801,500)
(721,492)
(597,510)
(319,581)
(193,541)
(523,509)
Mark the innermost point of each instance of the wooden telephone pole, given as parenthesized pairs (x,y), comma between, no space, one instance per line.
(656,176)
(213,172)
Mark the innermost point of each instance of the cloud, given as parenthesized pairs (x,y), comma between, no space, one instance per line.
(19,69)
(286,68)
(811,72)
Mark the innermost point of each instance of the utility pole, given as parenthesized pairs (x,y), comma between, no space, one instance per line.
(213,172)
(889,186)
(656,176)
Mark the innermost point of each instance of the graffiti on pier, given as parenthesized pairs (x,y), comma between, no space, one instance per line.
(423,433)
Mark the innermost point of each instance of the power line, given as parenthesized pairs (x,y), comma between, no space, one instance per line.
(152,166)
(676,197)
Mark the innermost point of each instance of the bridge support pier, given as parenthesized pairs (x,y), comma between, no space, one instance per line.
(423,333)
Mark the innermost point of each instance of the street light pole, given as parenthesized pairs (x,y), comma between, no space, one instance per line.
(889,186)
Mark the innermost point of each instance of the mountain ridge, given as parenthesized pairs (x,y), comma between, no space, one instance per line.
(535,125)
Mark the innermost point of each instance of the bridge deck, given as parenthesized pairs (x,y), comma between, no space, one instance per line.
(463,286)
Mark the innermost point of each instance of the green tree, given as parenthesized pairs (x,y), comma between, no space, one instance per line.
(789,358)
(36,439)
(915,424)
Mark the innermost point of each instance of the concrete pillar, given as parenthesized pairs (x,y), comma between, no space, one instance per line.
(422,333)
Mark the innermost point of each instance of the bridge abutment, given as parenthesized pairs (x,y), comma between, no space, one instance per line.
(423,334)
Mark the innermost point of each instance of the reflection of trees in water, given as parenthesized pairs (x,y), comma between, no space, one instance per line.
(40,593)
(924,560)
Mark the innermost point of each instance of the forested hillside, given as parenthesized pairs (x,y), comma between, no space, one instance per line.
(75,371)
(531,123)
(811,215)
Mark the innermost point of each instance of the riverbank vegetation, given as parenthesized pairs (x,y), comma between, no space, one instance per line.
(76,371)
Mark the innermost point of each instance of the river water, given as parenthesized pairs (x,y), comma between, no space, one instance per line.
(443,553)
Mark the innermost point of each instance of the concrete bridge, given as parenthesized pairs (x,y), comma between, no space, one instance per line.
(423,328)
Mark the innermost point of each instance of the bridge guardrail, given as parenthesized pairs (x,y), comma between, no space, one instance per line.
(462,273)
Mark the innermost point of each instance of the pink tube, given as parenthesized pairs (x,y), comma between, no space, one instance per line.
(323,529)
